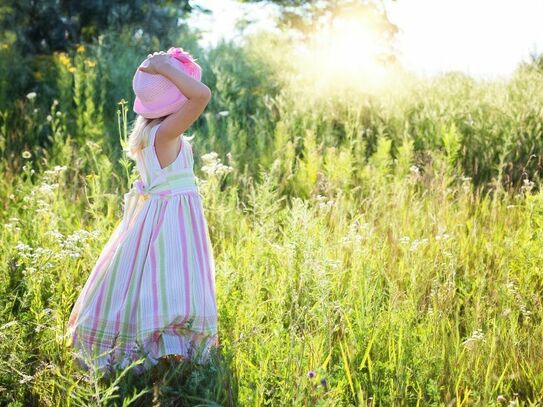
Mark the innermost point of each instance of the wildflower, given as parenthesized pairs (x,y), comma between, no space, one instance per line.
(418,242)
(80,48)
(311,374)
(476,336)
(31,95)
(223,113)
(324,383)
(320,198)
(30,270)
(213,165)
(528,185)
(334,263)
(55,102)
(501,399)
(26,154)
(56,169)
(64,59)
(47,189)
(442,235)
(55,234)
(414,169)
(26,378)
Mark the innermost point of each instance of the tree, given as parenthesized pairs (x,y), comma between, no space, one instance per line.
(44,26)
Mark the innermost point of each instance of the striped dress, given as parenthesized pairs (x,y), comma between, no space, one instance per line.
(152,290)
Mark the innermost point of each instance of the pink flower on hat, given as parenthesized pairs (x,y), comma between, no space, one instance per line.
(181,54)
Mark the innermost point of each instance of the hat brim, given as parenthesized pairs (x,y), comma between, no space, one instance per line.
(149,113)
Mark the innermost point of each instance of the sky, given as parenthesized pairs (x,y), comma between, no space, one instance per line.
(483,38)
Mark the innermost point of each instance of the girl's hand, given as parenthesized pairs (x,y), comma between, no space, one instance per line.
(155,63)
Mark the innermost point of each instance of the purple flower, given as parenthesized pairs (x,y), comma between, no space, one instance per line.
(324,382)
(311,374)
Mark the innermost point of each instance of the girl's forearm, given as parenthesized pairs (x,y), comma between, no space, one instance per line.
(188,86)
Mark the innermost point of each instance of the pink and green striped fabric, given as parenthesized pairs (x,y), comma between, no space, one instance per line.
(152,289)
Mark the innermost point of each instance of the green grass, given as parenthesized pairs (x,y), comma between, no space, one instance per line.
(391,243)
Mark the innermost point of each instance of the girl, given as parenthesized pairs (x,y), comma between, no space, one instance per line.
(152,291)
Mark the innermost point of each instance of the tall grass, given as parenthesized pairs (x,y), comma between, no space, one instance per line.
(389,243)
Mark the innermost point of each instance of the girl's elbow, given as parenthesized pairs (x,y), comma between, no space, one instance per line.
(206,93)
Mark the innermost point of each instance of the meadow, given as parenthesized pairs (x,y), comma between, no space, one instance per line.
(371,247)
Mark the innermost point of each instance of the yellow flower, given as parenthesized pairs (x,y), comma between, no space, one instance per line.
(80,49)
(90,63)
(72,69)
(64,59)
(4,46)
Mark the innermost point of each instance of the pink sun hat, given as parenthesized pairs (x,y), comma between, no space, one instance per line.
(156,95)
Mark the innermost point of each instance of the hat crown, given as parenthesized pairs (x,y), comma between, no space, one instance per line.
(156,95)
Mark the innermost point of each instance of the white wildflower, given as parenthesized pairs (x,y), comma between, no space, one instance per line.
(212,164)
(47,189)
(55,234)
(528,185)
(442,235)
(475,337)
(26,378)
(56,170)
(334,263)
(23,247)
(31,95)
(418,242)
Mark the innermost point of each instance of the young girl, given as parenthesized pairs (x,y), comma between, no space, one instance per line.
(152,291)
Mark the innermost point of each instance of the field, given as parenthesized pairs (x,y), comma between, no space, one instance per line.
(377,247)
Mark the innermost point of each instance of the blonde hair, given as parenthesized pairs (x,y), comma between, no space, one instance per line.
(138,133)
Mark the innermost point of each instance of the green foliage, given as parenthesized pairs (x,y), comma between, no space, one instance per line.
(390,243)
(47,26)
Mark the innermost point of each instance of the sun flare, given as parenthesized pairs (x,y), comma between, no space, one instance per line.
(345,54)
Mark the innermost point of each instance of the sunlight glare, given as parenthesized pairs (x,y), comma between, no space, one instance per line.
(343,55)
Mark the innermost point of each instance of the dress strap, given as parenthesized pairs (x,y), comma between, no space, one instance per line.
(152,135)
(187,147)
